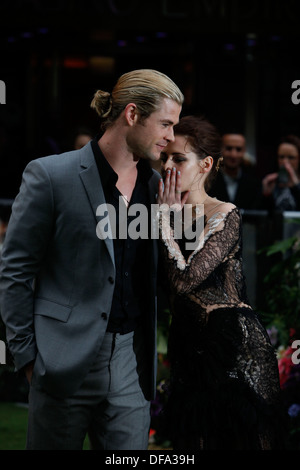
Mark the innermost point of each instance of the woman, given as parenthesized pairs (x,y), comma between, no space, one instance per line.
(224,376)
(281,190)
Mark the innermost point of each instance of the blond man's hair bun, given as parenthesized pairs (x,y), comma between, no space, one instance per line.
(102,103)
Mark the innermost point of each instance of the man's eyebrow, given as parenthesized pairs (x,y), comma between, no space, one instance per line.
(167,120)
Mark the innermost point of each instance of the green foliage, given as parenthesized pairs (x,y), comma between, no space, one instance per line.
(282,288)
(282,246)
(163,331)
(13,425)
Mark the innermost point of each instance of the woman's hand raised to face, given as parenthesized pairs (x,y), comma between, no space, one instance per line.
(293,178)
(169,191)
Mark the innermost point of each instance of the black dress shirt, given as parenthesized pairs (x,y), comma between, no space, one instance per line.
(132,257)
(248,194)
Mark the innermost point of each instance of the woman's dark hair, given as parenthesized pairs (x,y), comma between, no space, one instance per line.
(291,139)
(204,139)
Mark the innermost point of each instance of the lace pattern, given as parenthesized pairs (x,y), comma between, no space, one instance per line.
(212,274)
(216,341)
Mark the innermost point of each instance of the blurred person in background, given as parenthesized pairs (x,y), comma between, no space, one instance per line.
(82,137)
(281,189)
(235,182)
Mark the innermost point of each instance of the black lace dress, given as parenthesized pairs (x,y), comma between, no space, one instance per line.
(224,385)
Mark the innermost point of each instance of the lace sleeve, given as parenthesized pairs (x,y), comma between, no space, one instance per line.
(222,234)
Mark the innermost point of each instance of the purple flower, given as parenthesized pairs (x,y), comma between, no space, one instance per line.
(273,334)
(294,410)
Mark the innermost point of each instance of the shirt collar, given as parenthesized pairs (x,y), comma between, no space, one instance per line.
(107,174)
(232,178)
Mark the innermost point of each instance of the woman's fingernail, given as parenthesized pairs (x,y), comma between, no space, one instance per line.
(178,172)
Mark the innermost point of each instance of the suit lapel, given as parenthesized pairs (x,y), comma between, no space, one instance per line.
(91,180)
(153,189)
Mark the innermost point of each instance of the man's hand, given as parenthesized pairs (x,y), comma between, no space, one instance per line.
(28,369)
(293,178)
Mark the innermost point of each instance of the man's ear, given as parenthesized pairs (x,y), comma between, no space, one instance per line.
(131,114)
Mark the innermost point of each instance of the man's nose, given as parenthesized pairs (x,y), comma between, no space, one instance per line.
(233,153)
(170,136)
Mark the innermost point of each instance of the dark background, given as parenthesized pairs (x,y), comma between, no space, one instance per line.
(235,62)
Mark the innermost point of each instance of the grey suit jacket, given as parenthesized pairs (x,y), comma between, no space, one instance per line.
(56,275)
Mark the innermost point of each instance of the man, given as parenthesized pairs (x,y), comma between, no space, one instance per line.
(234,182)
(80,309)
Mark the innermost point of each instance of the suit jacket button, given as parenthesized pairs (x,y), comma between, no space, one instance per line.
(104,315)
(111,279)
